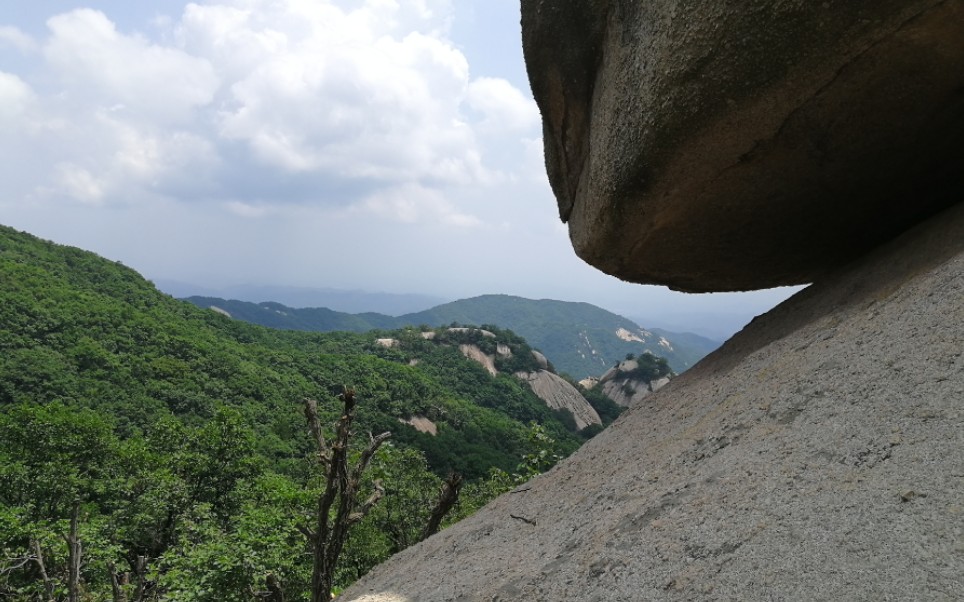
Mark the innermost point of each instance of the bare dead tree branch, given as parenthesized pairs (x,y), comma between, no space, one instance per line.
(340,496)
(16,563)
(314,425)
(74,555)
(448,497)
(38,557)
(365,508)
(373,444)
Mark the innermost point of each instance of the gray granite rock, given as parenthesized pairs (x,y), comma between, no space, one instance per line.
(818,455)
(737,144)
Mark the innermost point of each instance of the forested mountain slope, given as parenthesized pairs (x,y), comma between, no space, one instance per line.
(165,421)
(81,329)
(579,338)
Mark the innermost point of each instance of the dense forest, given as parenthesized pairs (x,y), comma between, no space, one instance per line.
(154,450)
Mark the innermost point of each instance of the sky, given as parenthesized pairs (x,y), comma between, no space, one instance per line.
(382,145)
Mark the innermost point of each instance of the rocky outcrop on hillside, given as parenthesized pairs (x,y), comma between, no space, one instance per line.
(817,455)
(560,395)
(474,353)
(554,390)
(421,424)
(619,385)
(626,383)
(730,144)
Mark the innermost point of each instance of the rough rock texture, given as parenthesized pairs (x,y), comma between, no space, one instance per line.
(474,353)
(622,388)
(550,388)
(541,360)
(818,455)
(421,424)
(626,392)
(559,394)
(738,144)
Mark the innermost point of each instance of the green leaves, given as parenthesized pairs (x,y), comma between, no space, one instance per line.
(179,433)
(51,455)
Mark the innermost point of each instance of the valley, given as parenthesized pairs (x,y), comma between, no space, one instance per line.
(168,432)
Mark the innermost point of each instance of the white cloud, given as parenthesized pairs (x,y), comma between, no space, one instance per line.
(79,184)
(15,98)
(502,104)
(11,36)
(158,158)
(248,210)
(414,203)
(98,64)
(255,103)
(343,91)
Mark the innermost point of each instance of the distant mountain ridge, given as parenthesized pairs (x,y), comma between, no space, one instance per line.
(579,338)
(352,301)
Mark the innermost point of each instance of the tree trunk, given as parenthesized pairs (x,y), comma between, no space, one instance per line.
(340,495)
(118,583)
(140,571)
(74,555)
(275,591)
(42,568)
(448,496)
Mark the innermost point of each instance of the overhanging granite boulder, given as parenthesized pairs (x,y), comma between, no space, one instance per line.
(720,145)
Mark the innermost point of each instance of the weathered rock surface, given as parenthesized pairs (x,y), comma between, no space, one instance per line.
(626,392)
(559,394)
(474,353)
(620,385)
(739,144)
(554,390)
(818,455)
(541,360)
(421,424)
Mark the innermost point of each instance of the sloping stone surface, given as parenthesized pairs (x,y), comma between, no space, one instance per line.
(474,353)
(818,455)
(717,145)
(559,394)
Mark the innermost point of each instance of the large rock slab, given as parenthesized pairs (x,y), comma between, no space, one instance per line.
(716,145)
(818,455)
(560,395)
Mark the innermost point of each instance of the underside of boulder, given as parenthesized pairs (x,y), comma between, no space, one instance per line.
(721,145)
(817,455)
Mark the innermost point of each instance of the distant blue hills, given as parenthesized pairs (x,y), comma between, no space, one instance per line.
(350,301)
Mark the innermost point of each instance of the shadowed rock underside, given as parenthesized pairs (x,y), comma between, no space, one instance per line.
(731,145)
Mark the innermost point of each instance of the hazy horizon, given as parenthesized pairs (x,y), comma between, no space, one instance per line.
(717,326)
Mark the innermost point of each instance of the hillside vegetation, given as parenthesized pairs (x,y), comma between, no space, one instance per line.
(177,435)
(579,338)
